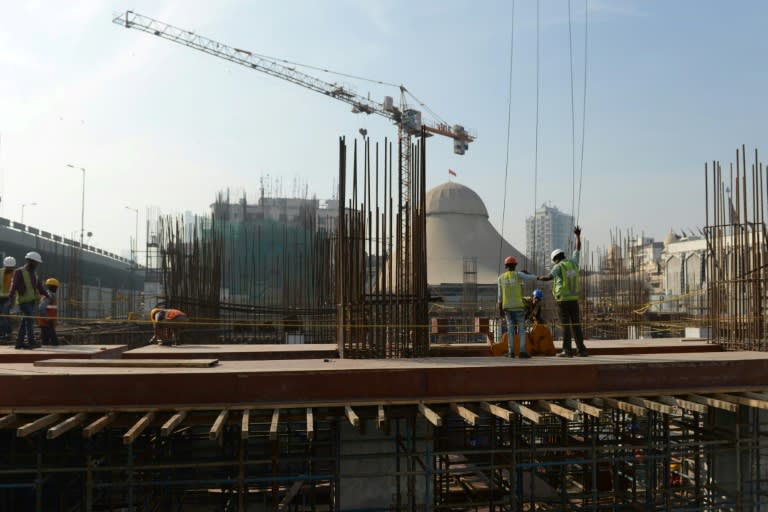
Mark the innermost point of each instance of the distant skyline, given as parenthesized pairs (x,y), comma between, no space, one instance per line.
(670,85)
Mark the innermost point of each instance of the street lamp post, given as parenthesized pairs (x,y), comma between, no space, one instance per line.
(82,204)
(22,210)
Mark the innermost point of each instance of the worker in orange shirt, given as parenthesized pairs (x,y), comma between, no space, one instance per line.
(165,324)
(48,311)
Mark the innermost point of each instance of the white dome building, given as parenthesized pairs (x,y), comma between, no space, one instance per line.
(458,228)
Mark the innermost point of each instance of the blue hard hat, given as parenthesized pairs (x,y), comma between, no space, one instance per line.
(538,294)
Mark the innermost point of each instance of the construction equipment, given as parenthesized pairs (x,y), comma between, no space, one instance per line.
(408,120)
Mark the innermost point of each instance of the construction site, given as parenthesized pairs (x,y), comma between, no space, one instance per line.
(338,356)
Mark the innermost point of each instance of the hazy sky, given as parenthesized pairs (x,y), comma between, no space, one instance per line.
(670,85)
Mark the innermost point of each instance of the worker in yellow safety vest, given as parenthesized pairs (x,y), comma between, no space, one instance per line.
(9,265)
(565,273)
(510,302)
(29,288)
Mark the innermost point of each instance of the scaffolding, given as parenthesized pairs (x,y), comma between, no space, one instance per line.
(683,452)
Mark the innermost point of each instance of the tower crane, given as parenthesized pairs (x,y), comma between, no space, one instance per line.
(407,120)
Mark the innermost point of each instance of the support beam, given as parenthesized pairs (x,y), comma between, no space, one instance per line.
(496,410)
(8,419)
(558,409)
(310,424)
(743,400)
(653,405)
(66,425)
(624,406)
(245,424)
(591,410)
(684,404)
(430,415)
(218,425)
(713,402)
(352,416)
(139,427)
(381,418)
(99,425)
(174,421)
(38,424)
(468,416)
(756,396)
(274,424)
(525,412)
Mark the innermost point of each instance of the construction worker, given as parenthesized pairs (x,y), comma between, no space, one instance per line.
(29,288)
(565,273)
(165,323)
(510,303)
(533,307)
(9,265)
(48,312)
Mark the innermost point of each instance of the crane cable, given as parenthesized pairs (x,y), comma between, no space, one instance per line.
(584,109)
(509,125)
(573,118)
(536,153)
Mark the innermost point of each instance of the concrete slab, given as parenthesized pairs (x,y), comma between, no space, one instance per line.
(8,354)
(316,381)
(236,352)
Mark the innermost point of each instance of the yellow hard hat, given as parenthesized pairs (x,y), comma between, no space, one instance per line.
(152,313)
(52,281)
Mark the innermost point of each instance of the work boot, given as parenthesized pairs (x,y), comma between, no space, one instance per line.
(525,355)
(511,355)
(582,353)
(565,353)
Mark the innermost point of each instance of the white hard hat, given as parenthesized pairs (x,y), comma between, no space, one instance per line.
(34,256)
(555,253)
(9,261)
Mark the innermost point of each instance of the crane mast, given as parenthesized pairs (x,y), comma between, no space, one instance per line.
(407,120)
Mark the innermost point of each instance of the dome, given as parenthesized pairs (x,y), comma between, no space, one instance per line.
(671,237)
(455,198)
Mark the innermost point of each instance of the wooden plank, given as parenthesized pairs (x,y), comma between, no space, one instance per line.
(274,424)
(174,421)
(468,416)
(496,410)
(525,412)
(99,424)
(310,424)
(713,402)
(621,405)
(218,425)
(558,409)
(586,408)
(8,419)
(756,396)
(353,418)
(66,425)
(245,424)
(38,424)
(128,363)
(381,418)
(430,415)
(683,404)
(139,427)
(743,400)
(653,405)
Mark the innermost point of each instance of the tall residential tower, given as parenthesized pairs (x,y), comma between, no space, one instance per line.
(545,231)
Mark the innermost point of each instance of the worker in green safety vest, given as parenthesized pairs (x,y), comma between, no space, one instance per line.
(565,273)
(28,286)
(510,303)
